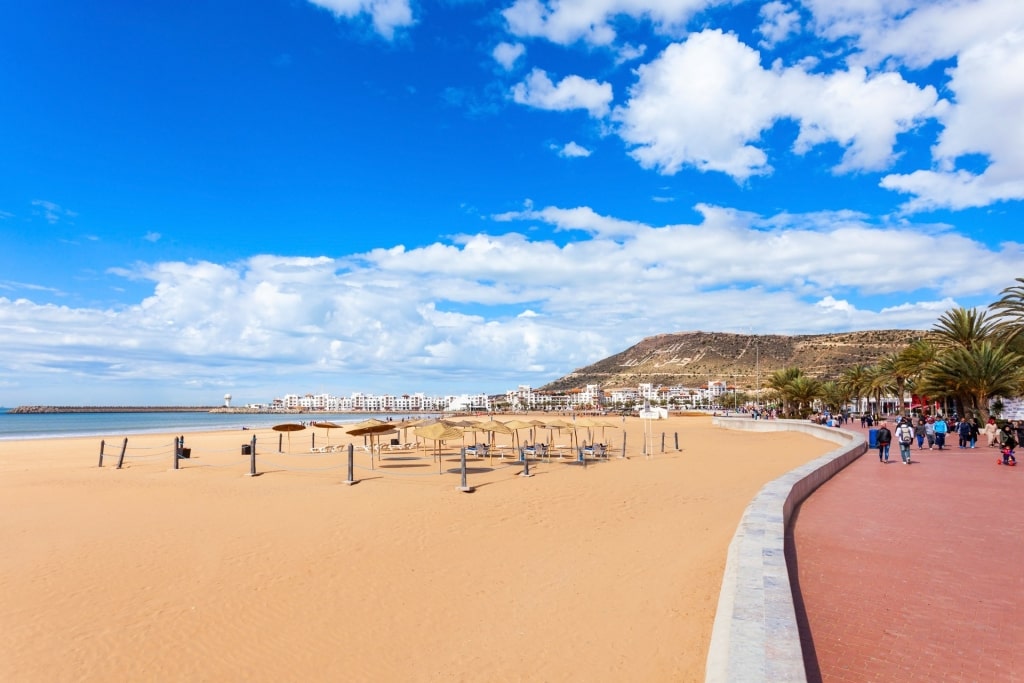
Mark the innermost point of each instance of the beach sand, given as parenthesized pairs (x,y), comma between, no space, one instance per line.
(605,573)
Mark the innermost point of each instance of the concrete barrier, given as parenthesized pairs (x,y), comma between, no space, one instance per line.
(755,636)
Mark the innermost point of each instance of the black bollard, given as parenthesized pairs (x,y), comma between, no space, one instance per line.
(465,488)
(177,451)
(124,447)
(351,474)
(677,440)
(280,443)
(623,445)
(663,442)
(102,443)
(252,457)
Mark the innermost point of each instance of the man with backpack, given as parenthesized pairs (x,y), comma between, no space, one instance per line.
(905,437)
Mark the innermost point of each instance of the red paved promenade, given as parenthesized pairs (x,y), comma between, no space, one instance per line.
(914,573)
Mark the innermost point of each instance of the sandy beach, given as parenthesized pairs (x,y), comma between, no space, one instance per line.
(608,572)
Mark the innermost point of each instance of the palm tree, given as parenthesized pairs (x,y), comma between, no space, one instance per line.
(962,327)
(804,391)
(1008,312)
(856,381)
(880,384)
(975,374)
(835,395)
(780,381)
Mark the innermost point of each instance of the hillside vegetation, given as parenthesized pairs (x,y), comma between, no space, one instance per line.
(693,358)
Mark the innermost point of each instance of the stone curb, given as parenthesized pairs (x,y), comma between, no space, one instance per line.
(755,636)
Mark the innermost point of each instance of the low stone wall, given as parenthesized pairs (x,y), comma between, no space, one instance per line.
(755,636)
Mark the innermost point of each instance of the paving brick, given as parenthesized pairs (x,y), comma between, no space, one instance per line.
(913,573)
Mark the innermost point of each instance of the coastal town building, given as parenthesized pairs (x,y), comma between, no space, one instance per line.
(591,397)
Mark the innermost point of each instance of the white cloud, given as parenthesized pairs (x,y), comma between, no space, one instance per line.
(572,92)
(386,15)
(567,21)
(628,53)
(488,312)
(53,213)
(706,102)
(572,150)
(152,236)
(779,21)
(507,54)
(985,120)
(912,32)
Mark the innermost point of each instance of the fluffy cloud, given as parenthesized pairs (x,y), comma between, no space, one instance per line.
(567,21)
(572,92)
(706,102)
(912,32)
(487,312)
(572,150)
(507,54)
(989,85)
(386,15)
(778,22)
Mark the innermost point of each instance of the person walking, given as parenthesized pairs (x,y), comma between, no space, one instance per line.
(991,430)
(929,432)
(882,439)
(963,433)
(940,432)
(905,437)
(921,432)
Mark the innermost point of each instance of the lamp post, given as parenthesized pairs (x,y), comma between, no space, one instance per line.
(757,366)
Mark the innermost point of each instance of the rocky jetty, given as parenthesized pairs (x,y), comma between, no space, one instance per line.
(28,410)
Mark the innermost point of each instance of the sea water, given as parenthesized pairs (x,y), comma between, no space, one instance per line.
(51,425)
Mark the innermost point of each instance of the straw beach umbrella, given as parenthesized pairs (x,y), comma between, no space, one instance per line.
(288,428)
(327,426)
(439,432)
(371,430)
(494,427)
(515,426)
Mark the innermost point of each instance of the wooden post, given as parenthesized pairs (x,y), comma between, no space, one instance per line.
(465,488)
(101,453)
(677,440)
(252,457)
(623,443)
(351,479)
(177,450)
(280,443)
(124,447)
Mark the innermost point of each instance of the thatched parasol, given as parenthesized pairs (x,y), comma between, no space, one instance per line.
(288,428)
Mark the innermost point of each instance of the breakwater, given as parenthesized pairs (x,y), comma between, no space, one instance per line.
(36,410)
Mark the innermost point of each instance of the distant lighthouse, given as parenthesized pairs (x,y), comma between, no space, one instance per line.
(227,400)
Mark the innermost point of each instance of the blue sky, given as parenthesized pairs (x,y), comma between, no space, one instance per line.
(286,196)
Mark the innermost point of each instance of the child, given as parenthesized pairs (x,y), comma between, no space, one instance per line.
(1007,443)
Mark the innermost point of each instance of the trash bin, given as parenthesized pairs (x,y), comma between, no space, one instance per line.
(872,438)
(186,452)
(246,449)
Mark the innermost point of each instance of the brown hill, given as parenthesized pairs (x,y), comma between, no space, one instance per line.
(693,358)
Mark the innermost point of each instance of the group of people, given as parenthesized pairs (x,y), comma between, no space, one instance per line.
(934,430)
(904,437)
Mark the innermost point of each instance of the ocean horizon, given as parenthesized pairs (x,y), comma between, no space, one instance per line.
(15,427)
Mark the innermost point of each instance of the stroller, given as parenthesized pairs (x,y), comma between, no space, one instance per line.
(1008,443)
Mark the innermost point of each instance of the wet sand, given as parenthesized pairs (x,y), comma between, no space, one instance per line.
(608,572)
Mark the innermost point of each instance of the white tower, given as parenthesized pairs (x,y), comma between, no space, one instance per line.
(227,400)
